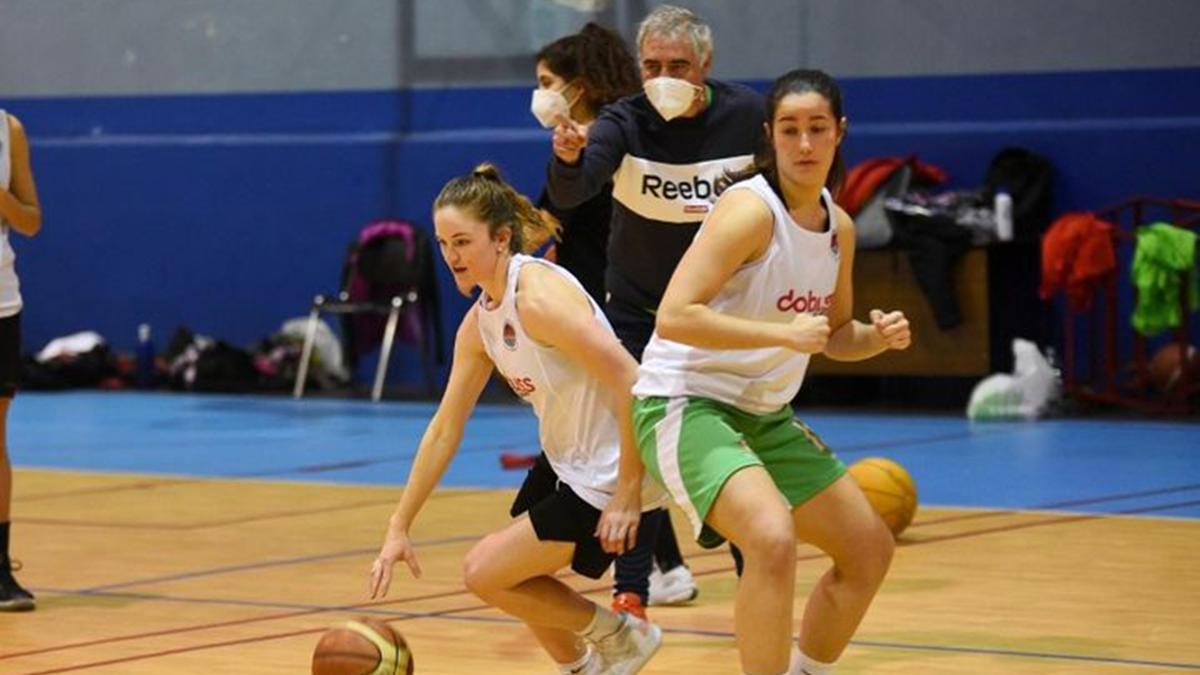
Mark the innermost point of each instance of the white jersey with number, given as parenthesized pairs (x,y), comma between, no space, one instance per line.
(576,424)
(10,287)
(798,273)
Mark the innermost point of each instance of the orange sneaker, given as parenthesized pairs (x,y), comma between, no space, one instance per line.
(629,602)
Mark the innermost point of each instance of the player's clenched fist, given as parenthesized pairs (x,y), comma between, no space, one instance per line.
(893,326)
(809,333)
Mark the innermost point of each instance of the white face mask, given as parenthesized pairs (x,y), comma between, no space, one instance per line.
(549,106)
(670,96)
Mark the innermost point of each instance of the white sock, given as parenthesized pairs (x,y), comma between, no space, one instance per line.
(576,666)
(806,665)
(603,624)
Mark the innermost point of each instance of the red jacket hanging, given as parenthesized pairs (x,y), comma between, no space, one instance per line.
(1077,251)
(864,178)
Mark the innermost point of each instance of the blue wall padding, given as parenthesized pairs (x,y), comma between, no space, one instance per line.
(227,213)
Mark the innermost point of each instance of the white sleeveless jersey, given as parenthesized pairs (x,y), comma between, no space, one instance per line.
(576,424)
(798,273)
(10,287)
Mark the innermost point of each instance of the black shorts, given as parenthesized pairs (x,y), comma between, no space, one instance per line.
(558,514)
(10,355)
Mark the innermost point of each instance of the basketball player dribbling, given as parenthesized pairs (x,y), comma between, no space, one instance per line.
(536,325)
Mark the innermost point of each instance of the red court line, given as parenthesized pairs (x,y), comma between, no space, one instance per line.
(812,556)
(285,615)
(975,533)
(242,641)
(232,622)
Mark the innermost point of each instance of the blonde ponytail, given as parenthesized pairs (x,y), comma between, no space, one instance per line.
(485,193)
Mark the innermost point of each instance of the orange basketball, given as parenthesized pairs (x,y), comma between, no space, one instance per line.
(890,490)
(1166,368)
(362,647)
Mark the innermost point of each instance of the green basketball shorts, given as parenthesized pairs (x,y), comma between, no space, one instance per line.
(693,445)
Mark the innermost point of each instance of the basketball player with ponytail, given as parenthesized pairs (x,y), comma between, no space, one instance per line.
(535,324)
(767,283)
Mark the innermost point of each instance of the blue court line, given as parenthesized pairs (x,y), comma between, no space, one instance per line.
(973,650)
(532,446)
(272,563)
(924,440)
(1121,497)
(1159,507)
(231,602)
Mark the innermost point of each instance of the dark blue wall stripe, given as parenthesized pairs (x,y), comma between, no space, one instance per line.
(978,98)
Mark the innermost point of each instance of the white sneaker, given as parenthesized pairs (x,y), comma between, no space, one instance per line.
(626,651)
(676,587)
(594,665)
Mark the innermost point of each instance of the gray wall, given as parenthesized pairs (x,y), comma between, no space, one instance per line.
(91,47)
(95,47)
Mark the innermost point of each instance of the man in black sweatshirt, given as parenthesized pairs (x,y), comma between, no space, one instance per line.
(667,151)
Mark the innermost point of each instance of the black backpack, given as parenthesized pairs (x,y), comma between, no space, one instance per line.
(1026,176)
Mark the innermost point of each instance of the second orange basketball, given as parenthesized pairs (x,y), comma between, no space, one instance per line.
(889,488)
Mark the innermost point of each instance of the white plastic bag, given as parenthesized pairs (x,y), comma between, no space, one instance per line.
(1025,394)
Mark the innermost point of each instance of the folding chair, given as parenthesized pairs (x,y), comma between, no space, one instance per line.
(383,276)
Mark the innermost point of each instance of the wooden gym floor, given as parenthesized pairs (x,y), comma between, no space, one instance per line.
(191,534)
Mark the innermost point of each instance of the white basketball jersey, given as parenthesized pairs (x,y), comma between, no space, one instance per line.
(10,288)
(798,273)
(577,427)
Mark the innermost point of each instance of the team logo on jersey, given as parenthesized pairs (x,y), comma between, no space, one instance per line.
(522,386)
(833,245)
(510,336)
(793,301)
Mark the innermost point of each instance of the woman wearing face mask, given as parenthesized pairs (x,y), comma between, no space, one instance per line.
(576,76)
(537,326)
(767,283)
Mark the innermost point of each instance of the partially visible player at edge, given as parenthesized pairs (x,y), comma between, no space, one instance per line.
(21,213)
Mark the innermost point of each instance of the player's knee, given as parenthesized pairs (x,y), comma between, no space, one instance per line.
(882,550)
(478,575)
(871,555)
(771,546)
